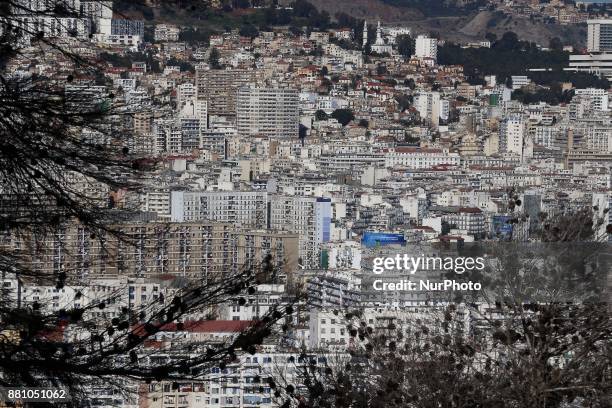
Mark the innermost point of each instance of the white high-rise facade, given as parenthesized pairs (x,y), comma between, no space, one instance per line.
(426,47)
(598,98)
(243,208)
(428,106)
(599,35)
(310,217)
(271,112)
(513,134)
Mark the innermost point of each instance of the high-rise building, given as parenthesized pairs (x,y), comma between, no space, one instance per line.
(196,250)
(124,26)
(243,208)
(512,135)
(598,98)
(428,106)
(219,88)
(599,35)
(100,13)
(272,112)
(426,47)
(33,16)
(310,217)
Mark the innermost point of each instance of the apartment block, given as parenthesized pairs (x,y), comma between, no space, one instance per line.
(220,87)
(194,250)
(310,217)
(271,112)
(241,208)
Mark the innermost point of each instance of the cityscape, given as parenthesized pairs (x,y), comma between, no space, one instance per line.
(257,203)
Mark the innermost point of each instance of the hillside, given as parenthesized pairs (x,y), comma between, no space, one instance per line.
(448,21)
(460,25)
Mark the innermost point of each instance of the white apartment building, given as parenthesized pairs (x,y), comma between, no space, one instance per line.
(598,98)
(100,13)
(244,208)
(594,134)
(185,92)
(114,292)
(343,255)
(328,330)
(519,81)
(53,27)
(166,32)
(426,47)
(599,35)
(429,107)
(420,158)
(257,304)
(310,217)
(271,112)
(512,134)
(157,201)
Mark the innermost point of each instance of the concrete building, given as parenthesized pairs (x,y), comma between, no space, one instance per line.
(420,158)
(271,112)
(166,32)
(426,47)
(599,35)
(242,208)
(193,250)
(429,107)
(220,87)
(512,135)
(310,217)
(124,26)
(598,98)
(100,13)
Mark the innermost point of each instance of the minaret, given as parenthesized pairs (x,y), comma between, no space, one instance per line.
(379,39)
(365,33)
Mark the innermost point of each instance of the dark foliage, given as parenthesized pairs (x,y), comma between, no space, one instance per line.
(508,56)
(65,160)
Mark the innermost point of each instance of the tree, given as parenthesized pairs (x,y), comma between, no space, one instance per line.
(509,41)
(403,101)
(530,339)
(405,45)
(320,115)
(364,123)
(555,44)
(344,116)
(213,58)
(491,37)
(67,166)
(249,30)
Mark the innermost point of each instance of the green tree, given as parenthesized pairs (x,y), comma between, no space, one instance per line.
(320,115)
(249,30)
(405,45)
(344,116)
(555,44)
(213,59)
